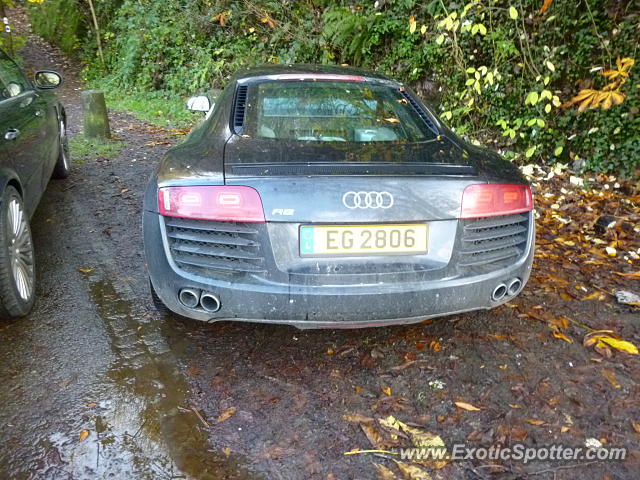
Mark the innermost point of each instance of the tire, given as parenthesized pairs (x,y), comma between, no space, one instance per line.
(160,306)
(63,164)
(17,259)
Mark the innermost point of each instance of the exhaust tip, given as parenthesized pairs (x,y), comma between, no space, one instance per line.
(499,292)
(189,297)
(209,302)
(514,286)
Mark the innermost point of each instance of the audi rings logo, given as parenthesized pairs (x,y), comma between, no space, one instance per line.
(353,200)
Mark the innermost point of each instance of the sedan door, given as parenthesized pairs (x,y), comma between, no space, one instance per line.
(22,126)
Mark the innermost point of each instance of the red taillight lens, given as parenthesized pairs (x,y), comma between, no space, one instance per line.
(491,200)
(225,203)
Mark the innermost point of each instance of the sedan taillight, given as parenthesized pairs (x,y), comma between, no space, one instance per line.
(225,203)
(491,200)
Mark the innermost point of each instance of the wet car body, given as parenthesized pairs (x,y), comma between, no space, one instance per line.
(258,270)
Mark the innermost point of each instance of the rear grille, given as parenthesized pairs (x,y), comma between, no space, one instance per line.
(493,240)
(240,107)
(209,248)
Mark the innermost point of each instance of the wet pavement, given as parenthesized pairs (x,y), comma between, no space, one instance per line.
(96,384)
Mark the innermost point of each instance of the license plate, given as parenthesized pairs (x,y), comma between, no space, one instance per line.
(320,240)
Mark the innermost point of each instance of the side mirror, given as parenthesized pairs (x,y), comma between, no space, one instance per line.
(47,79)
(199,103)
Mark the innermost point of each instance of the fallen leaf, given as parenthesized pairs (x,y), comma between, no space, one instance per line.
(91,404)
(435,346)
(619,344)
(534,421)
(611,377)
(412,472)
(630,275)
(636,426)
(562,336)
(357,389)
(564,429)
(85,270)
(386,390)
(384,473)
(84,434)
(375,438)
(226,415)
(227,452)
(466,406)
(514,406)
(357,418)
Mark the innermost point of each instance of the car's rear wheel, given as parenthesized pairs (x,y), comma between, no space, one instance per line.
(160,306)
(61,170)
(17,262)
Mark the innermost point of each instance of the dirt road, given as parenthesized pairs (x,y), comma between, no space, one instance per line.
(95,384)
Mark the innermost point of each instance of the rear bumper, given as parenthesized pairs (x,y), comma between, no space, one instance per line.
(326,306)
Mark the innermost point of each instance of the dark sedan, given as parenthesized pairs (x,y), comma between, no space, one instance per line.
(328,197)
(33,147)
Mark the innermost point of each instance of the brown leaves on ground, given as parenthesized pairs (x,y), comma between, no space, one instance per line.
(466,406)
(226,415)
(83,435)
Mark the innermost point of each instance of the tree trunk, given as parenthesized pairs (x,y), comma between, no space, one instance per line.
(96,120)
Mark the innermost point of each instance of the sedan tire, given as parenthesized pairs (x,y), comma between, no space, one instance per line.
(62,168)
(17,259)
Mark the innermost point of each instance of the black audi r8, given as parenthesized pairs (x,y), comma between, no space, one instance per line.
(328,197)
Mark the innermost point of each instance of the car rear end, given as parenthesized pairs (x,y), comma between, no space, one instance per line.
(339,223)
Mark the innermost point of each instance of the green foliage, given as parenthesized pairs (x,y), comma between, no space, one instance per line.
(158,107)
(499,71)
(83,149)
(60,22)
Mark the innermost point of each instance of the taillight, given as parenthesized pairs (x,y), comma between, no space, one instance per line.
(225,203)
(490,200)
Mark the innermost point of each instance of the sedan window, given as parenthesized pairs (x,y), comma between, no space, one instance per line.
(12,81)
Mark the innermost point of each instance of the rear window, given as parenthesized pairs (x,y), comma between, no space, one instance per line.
(332,111)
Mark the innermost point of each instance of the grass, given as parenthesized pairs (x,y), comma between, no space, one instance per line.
(82,148)
(163,109)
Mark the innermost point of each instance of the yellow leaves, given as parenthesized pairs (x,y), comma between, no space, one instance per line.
(610,94)
(386,390)
(85,270)
(412,472)
(412,24)
(513,13)
(221,18)
(591,98)
(612,252)
(83,435)
(384,473)
(621,345)
(534,421)
(604,340)
(435,346)
(466,406)
(562,336)
(622,72)
(636,426)
(226,415)
(270,22)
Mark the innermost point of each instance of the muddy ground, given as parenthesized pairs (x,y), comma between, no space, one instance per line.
(96,384)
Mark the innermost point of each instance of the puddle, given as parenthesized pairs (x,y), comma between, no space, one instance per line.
(142,427)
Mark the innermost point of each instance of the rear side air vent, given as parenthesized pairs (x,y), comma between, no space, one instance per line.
(420,111)
(240,107)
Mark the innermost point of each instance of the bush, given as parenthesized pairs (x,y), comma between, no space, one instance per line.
(500,73)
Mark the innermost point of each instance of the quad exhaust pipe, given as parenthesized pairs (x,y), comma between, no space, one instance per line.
(192,298)
(508,290)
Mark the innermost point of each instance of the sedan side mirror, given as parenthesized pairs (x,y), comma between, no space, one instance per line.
(47,79)
(199,103)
